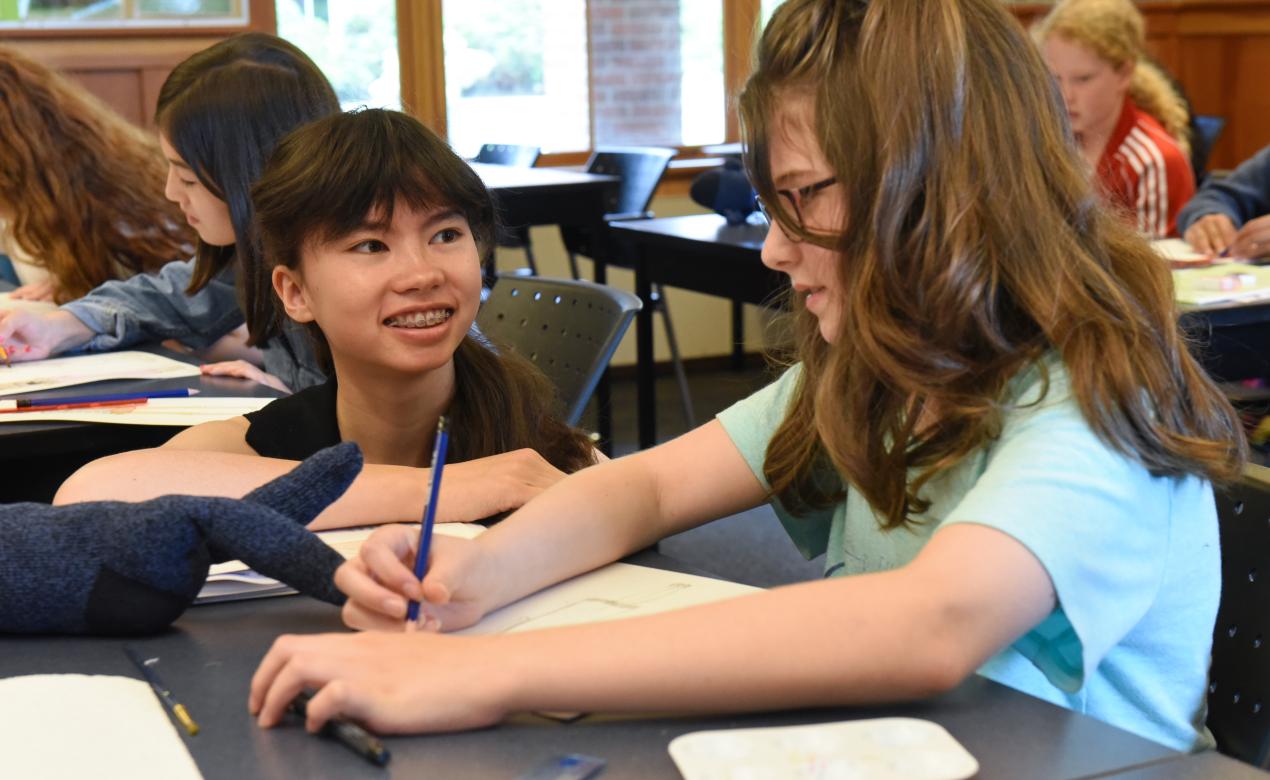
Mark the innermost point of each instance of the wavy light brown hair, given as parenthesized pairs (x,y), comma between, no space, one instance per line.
(83,186)
(1115,31)
(972,246)
(323,181)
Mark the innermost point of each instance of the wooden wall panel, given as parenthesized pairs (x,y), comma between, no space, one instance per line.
(1220,52)
(126,67)
(125,74)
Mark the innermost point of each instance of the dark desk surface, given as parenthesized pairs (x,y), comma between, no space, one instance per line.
(701,252)
(1204,766)
(505,177)
(209,657)
(704,254)
(36,457)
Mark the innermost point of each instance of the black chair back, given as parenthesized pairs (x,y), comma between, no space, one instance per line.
(640,169)
(509,154)
(1239,679)
(569,329)
(1207,130)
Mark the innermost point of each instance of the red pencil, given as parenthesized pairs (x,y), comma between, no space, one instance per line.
(89,405)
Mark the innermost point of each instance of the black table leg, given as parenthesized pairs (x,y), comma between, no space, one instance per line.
(646,401)
(738,336)
(604,388)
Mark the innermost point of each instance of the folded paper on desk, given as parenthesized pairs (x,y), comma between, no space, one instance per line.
(75,726)
(7,301)
(619,590)
(1179,253)
(1225,283)
(233,581)
(877,749)
(182,412)
(79,370)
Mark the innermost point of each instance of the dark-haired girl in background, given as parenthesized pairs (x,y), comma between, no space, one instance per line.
(220,113)
(375,230)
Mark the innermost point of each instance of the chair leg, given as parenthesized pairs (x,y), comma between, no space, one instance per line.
(685,396)
(573,265)
(529,254)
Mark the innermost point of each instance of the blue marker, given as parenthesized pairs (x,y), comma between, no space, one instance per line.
(35,403)
(429,515)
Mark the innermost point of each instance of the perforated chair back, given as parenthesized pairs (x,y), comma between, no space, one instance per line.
(509,154)
(640,169)
(1207,130)
(1239,680)
(569,329)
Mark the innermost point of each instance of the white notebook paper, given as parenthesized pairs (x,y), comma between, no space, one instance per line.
(233,581)
(21,378)
(78,726)
(7,301)
(873,749)
(182,412)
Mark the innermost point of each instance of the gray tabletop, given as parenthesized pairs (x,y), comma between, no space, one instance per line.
(1204,766)
(209,656)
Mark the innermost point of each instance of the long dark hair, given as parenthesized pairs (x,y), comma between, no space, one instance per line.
(973,246)
(321,183)
(223,110)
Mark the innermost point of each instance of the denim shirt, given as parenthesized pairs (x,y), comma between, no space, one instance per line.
(154,307)
(1243,195)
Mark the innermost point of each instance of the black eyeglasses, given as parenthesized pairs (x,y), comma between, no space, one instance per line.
(798,198)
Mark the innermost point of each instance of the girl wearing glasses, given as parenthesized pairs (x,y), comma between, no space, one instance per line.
(993,433)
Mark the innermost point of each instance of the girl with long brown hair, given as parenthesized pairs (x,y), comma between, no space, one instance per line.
(994,434)
(81,188)
(374,230)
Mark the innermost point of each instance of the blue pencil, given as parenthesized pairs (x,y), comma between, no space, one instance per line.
(429,513)
(27,403)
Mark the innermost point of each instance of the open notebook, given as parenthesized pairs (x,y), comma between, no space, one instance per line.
(53,373)
(619,590)
(233,581)
(1224,283)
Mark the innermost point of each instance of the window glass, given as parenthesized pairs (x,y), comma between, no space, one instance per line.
(171,8)
(516,72)
(767,7)
(72,13)
(657,71)
(702,101)
(354,42)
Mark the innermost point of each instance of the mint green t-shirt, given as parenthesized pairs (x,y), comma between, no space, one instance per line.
(1134,559)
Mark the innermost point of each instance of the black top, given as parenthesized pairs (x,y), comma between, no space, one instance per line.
(297,426)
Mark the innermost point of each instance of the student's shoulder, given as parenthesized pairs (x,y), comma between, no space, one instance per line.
(1150,144)
(216,436)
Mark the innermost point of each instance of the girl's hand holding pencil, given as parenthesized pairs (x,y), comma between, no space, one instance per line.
(380,582)
(27,335)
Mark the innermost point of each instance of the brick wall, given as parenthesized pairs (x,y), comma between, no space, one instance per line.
(636,72)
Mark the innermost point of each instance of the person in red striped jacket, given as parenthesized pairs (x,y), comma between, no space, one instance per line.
(1129,121)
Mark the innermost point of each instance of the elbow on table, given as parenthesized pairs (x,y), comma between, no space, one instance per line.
(94,481)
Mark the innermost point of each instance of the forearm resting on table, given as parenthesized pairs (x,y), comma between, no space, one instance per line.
(380,494)
(855,640)
(610,510)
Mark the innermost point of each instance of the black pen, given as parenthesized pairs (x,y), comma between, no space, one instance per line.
(162,691)
(353,736)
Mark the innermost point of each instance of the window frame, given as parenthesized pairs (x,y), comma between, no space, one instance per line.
(420,46)
(261,17)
